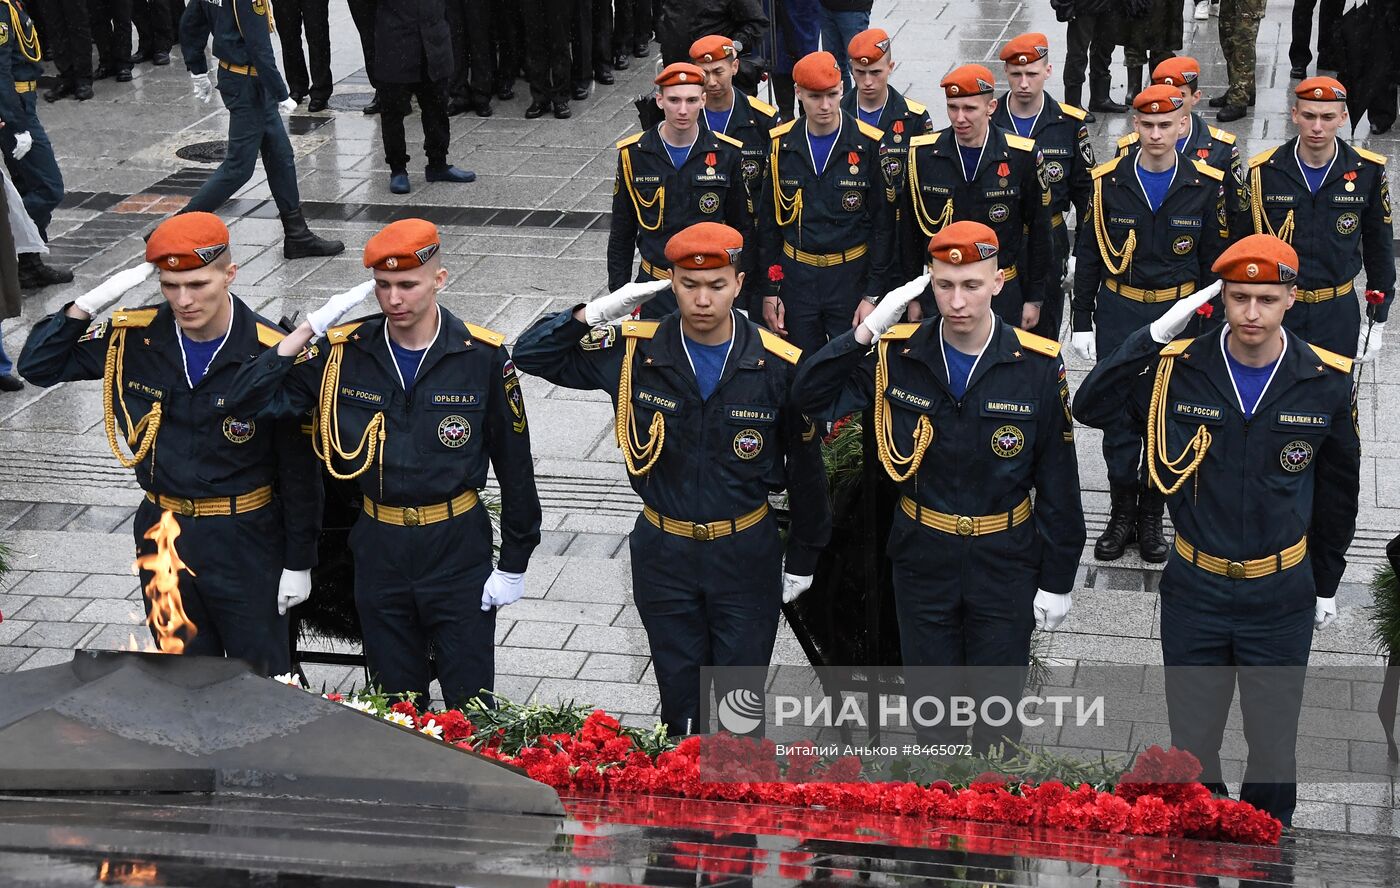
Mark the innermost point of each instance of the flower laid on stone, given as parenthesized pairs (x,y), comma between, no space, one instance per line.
(399,718)
(290,678)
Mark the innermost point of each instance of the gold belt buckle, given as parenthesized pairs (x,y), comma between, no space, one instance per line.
(964,526)
(185,507)
(701,532)
(410,517)
(1235,570)
(1149,296)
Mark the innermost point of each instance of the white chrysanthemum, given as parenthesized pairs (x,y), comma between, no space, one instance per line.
(357,703)
(290,678)
(398,718)
(432,729)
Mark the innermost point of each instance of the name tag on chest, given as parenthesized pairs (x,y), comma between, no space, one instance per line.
(362,396)
(454,400)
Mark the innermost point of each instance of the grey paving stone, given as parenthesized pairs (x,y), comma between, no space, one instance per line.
(11,657)
(47,633)
(101,519)
(591,614)
(108,586)
(610,640)
(535,634)
(111,611)
(47,583)
(613,667)
(10,629)
(51,609)
(607,695)
(539,662)
(47,657)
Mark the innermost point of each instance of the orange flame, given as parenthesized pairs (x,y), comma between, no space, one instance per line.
(125,872)
(167,617)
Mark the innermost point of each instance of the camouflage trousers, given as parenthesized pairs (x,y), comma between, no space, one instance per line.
(1239,30)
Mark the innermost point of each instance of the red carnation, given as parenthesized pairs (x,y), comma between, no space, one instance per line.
(775,273)
(407,708)
(1206,310)
(1375,297)
(454,725)
(1151,817)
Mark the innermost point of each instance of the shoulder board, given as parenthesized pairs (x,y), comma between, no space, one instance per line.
(1221,135)
(269,335)
(1206,169)
(1073,111)
(925,139)
(133,317)
(1332,359)
(782,129)
(727,138)
(1372,156)
(762,107)
(901,331)
(1038,344)
(1174,348)
(630,140)
(916,107)
(1020,142)
(1128,140)
(337,335)
(490,337)
(870,132)
(639,329)
(1262,157)
(779,346)
(1106,167)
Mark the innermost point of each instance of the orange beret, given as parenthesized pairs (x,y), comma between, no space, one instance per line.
(1158,99)
(963,242)
(969,80)
(869,47)
(1321,89)
(1258,259)
(1025,49)
(186,241)
(817,71)
(680,74)
(1178,71)
(711,49)
(704,245)
(407,243)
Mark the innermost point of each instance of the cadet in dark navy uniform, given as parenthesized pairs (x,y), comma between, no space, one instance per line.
(1331,201)
(971,417)
(975,171)
(256,97)
(669,178)
(707,432)
(1157,222)
(412,404)
(245,494)
(1252,437)
(1059,133)
(825,218)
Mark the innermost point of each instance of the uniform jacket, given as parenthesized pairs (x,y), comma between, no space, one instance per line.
(847,206)
(204,447)
(1291,471)
(751,122)
(466,408)
(1063,139)
(901,120)
(411,42)
(721,457)
(242,36)
(1216,147)
(19,61)
(1009,434)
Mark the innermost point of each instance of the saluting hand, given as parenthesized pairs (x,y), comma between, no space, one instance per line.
(621,302)
(890,310)
(337,307)
(94,301)
(1169,326)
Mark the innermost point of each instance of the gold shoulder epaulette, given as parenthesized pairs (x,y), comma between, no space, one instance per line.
(269,335)
(1038,344)
(337,335)
(1262,157)
(1106,167)
(639,329)
(916,107)
(1332,359)
(870,132)
(1127,141)
(1372,156)
(782,129)
(1221,135)
(1206,169)
(490,337)
(1174,348)
(1021,143)
(901,331)
(762,107)
(133,317)
(780,346)
(1073,111)
(727,138)
(925,139)
(630,140)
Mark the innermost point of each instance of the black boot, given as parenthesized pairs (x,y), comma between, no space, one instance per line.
(298,242)
(1099,99)
(1073,94)
(1151,543)
(1122,523)
(33,273)
(1134,82)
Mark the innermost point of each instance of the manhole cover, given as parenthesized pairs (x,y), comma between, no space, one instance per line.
(355,101)
(203,152)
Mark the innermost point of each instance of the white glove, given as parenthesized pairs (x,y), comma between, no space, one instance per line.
(891,308)
(1368,349)
(793,586)
(23,142)
(621,302)
(337,307)
(287,105)
(1166,328)
(502,588)
(1324,613)
(1051,609)
(110,290)
(293,589)
(1082,346)
(203,86)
